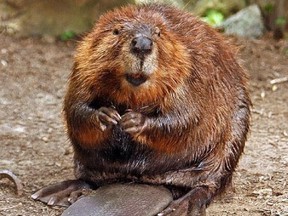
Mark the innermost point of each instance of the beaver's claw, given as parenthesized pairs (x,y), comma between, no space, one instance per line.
(62,194)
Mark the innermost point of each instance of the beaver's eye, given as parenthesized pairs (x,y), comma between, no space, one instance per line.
(157,31)
(116,31)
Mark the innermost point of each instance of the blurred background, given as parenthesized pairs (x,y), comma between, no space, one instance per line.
(38,39)
(67,18)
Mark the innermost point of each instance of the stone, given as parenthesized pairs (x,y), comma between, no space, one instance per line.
(246,23)
(122,200)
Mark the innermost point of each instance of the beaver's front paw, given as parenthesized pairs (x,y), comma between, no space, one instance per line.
(107,117)
(133,122)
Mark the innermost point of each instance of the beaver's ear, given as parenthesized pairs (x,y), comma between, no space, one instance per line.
(116,31)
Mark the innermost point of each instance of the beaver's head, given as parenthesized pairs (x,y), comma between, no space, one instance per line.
(135,54)
(138,51)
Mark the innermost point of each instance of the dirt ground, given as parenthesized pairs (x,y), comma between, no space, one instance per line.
(34,146)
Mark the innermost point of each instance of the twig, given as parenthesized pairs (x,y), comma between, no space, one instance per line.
(11,176)
(261,112)
(278,80)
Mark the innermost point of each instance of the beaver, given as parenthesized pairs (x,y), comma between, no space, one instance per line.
(156,96)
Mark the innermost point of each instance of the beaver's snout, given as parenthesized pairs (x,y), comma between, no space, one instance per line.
(141,45)
(141,62)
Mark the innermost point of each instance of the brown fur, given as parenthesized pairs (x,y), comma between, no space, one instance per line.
(194,106)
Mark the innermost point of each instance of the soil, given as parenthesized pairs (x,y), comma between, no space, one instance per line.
(34,146)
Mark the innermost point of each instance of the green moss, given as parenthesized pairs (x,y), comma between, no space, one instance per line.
(269,7)
(67,35)
(213,17)
(280,21)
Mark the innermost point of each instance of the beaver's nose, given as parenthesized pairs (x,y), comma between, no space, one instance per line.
(141,45)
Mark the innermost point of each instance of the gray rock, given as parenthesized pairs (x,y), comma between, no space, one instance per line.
(122,200)
(246,23)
